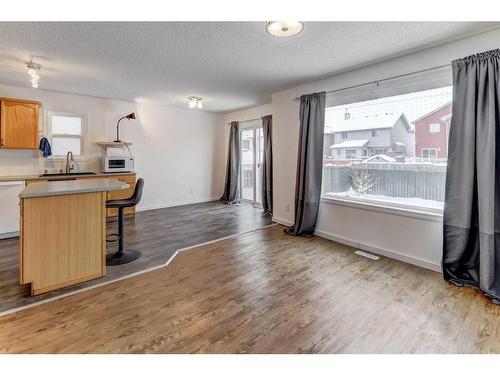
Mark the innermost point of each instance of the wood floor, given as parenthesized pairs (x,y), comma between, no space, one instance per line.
(264,292)
(157,234)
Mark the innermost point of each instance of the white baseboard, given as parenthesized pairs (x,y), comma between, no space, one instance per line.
(281,221)
(9,235)
(339,239)
(184,203)
(380,251)
(371,248)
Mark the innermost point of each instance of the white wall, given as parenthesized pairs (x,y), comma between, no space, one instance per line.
(411,239)
(178,152)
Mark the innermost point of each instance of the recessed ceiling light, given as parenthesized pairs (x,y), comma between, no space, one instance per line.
(283,29)
(195,102)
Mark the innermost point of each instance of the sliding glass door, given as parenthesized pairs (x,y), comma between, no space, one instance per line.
(252,143)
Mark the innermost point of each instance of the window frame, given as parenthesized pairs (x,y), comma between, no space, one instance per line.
(350,151)
(82,136)
(429,149)
(421,82)
(438,127)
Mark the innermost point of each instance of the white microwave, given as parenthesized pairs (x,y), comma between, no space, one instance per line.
(118,164)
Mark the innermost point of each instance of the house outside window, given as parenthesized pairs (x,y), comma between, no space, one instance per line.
(247,178)
(434,128)
(66,130)
(245,144)
(401,177)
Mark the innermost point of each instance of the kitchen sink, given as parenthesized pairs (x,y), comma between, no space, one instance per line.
(67,174)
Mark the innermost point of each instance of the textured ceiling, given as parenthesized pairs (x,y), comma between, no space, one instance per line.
(231,64)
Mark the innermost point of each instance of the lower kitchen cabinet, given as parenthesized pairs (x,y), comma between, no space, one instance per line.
(122,194)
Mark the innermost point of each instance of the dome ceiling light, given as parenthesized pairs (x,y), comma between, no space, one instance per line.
(284,29)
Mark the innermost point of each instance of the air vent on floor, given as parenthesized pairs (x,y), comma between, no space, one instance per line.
(366,255)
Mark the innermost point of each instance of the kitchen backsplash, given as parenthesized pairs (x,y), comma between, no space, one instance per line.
(29,162)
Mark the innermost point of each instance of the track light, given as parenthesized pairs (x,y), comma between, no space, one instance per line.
(195,102)
(33,69)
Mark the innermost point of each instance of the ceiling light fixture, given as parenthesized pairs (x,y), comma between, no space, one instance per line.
(33,69)
(195,102)
(283,29)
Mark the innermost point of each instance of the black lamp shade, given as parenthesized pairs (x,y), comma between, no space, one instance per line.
(130,116)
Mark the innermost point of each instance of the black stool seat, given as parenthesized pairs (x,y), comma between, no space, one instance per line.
(120,203)
(123,256)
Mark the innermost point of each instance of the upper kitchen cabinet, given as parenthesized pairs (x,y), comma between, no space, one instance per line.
(18,123)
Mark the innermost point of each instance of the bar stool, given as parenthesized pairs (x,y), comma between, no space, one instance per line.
(124,256)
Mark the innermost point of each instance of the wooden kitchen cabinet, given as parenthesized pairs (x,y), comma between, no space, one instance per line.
(122,194)
(18,123)
(65,247)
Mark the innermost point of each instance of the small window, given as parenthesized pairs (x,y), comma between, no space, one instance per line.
(67,133)
(339,152)
(374,133)
(351,154)
(365,152)
(434,128)
(344,135)
(429,153)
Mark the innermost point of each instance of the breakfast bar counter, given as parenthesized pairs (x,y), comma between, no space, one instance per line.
(44,189)
(63,232)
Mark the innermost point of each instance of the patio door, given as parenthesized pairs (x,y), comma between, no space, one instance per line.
(252,147)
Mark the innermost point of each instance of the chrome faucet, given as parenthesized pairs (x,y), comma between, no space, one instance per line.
(69,167)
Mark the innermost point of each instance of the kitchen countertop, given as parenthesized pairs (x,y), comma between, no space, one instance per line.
(43,189)
(63,177)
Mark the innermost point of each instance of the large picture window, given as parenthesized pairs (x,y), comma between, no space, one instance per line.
(391,151)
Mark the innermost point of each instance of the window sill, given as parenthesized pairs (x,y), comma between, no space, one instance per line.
(381,207)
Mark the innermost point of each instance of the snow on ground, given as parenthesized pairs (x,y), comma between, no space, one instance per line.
(414,203)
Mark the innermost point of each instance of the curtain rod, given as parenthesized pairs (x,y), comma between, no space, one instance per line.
(384,79)
(252,119)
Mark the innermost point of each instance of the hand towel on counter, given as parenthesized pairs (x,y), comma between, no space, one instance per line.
(45,147)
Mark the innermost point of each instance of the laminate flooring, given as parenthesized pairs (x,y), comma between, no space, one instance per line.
(156,233)
(264,292)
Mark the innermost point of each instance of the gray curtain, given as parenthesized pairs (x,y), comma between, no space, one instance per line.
(231,186)
(309,164)
(267,165)
(471,246)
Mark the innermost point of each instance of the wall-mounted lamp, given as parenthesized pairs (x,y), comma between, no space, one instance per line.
(33,69)
(195,102)
(130,116)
